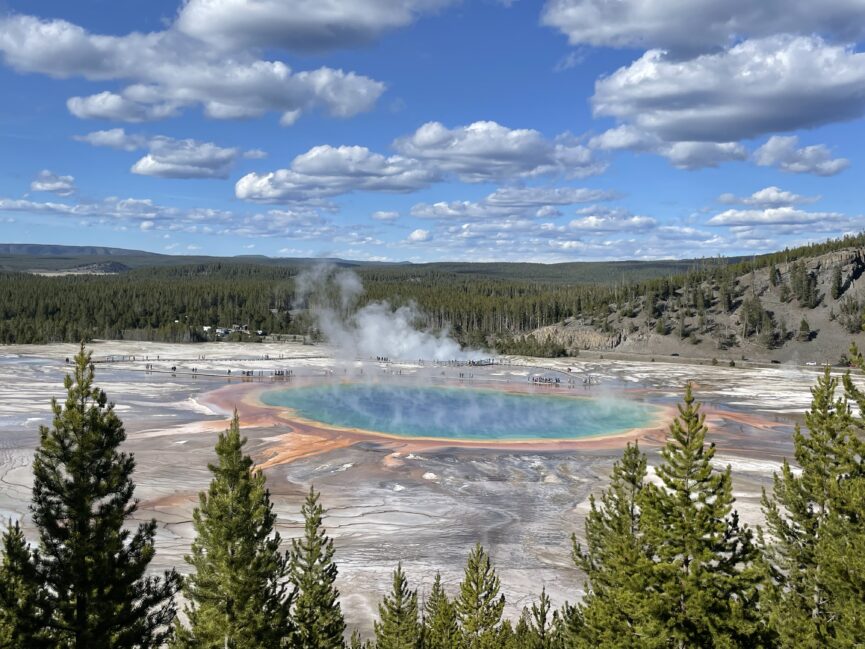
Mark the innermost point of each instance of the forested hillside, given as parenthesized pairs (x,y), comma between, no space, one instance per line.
(718,303)
(798,305)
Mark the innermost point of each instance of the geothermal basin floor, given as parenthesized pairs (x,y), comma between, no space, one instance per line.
(390,499)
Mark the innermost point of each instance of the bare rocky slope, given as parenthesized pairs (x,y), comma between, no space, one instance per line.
(757,316)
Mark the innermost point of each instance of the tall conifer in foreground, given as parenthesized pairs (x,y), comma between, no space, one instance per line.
(238,593)
(521,636)
(317,614)
(23,607)
(440,630)
(816,520)
(542,622)
(92,570)
(615,611)
(398,626)
(705,581)
(478,605)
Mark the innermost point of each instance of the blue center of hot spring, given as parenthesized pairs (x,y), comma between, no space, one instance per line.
(461,413)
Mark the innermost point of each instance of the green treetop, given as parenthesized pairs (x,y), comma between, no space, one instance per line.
(398,626)
(441,630)
(837,285)
(90,568)
(23,605)
(317,614)
(479,606)
(542,622)
(815,519)
(706,578)
(618,564)
(237,592)
(355,642)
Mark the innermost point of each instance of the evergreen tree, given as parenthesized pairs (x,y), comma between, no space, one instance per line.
(837,284)
(355,641)
(542,622)
(237,591)
(615,611)
(725,296)
(507,636)
(815,520)
(683,326)
(804,331)
(398,626)
(521,636)
(840,554)
(804,285)
(479,606)
(567,627)
(768,337)
(753,315)
(317,614)
(783,331)
(441,630)
(91,567)
(706,578)
(22,599)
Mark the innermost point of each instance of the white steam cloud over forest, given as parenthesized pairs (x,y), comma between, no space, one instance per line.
(376,329)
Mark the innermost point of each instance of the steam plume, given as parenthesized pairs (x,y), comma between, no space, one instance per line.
(376,329)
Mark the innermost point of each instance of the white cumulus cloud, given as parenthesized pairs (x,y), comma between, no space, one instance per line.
(785,215)
(168,71)
(755,87)
(114,138)
(385,216)
(172,158)
(599,219)
(326,171)
(297,25)
(418,236)
(511,203)
(48,181)
(484,151)
(479,152)
(683,154)
(768,197)
(782,151)
(687,27)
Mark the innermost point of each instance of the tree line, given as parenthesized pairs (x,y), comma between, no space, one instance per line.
(668,563)
(172,304)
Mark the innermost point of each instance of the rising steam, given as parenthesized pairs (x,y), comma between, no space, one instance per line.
(374,330)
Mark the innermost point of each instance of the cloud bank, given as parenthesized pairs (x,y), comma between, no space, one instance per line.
(169,71)
(171,158)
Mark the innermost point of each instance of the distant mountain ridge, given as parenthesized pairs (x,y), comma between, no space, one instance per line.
(41,258)
(52,250)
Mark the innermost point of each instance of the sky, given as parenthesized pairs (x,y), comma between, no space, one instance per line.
(427,130)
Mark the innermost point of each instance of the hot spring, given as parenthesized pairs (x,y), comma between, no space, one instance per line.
(467,414)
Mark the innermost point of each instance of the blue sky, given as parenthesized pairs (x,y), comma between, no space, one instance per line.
(432,129)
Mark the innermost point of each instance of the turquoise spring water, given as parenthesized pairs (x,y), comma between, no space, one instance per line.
(461,413)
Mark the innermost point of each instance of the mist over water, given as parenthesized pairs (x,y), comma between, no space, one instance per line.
(376,329)
(461,413)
